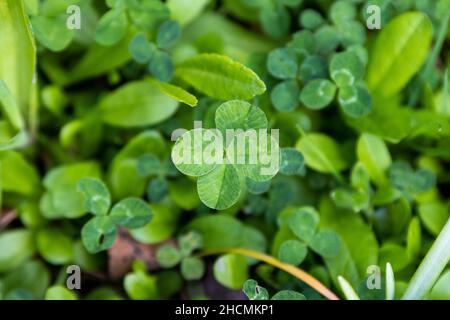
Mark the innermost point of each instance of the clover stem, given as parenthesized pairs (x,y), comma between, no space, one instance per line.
(431,267)
(296,272)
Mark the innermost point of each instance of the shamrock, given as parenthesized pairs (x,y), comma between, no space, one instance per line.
(100,232)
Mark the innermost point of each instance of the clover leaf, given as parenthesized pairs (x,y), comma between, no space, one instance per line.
(100,232)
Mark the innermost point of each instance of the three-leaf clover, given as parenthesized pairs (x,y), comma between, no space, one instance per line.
(192,267)
(100,232)
(405,179)
(222,158)
(347,71)
(303,223)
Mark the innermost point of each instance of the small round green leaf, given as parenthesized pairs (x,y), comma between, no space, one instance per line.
(355,101)
(282,63)
(96,195)
(192,268)
(285,96)
(98,234)
(292,161)
(231,270)
(346,69)
(149,164)
(303,223)
(292,252)
(313,67)
(168,256)
(318,94)
(257,187)
(311,19)
(326,243)
(161,66)
(131,213)
(342,10)
(168,34)
(55,246)
(141,50)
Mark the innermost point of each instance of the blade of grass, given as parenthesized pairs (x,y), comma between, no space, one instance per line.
(296,272)
(431,267)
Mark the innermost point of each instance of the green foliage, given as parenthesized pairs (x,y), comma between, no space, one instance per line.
(316,144)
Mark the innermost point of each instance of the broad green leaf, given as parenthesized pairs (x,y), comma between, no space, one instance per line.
(275,21)
(434,215)
(346,69)
(192,268)
(162,226)
(61,185)
(185,11)
(148,165)
(303,223)
(17,174)
(292,161)
(292,252)
(96,195)
(374,155)
(168,256)
(175,92)
(322,153)
(355,101)
(112,27)
(288,295)
(52,32)
(140,286)
(59,292)
(98,234)
(131,213)
(18,62)
(184,193)
(220,77)
(220,188)
(237,114)
(231,271)
(32,277)
(16,246)
(136,104)
(10,108)
(54,246)
(253,291)
(100,59)
(440,290)
(326,243)
(168,34)
(218,231)
(407,38)
(396,255)
(359,246)
(198,151)
(318,94)
(282,63)
(414,239)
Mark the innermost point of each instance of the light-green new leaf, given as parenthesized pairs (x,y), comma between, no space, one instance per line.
(220,77)
(399,52)
(374,155)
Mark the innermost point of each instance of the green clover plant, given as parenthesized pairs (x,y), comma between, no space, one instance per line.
(100,232)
